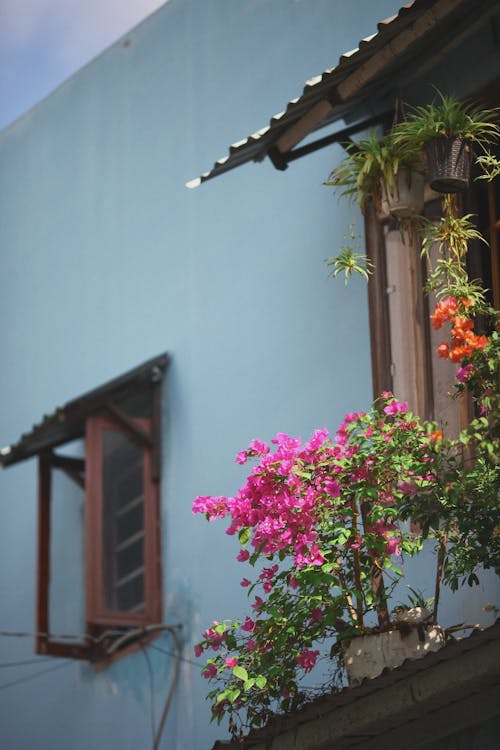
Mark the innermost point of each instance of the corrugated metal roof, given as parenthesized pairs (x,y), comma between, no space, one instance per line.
(67,422)
(332,703)
(328,97)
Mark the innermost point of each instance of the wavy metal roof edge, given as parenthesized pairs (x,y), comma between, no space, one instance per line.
(160,362)
(346,61)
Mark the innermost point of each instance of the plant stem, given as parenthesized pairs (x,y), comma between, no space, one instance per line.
(350,606)
(357,563)
(377,579)
(439,573)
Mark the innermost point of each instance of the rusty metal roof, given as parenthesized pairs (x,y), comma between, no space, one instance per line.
(419,693)
(68,422)
(420,31)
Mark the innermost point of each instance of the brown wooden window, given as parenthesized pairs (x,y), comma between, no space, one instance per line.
(403,343)
(122,527)
(99,557)
(114,554)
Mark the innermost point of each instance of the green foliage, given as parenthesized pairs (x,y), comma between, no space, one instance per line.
(451,237)
(368,161)
(416,598)
(384,468)
(448,118)
(348,261)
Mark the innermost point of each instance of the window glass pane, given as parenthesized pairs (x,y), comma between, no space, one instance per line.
(123,523)
(67,557)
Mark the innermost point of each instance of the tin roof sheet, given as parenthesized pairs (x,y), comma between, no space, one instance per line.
(396,38)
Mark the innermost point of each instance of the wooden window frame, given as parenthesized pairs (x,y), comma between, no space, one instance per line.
(427,396)
(97,613)
(99,620)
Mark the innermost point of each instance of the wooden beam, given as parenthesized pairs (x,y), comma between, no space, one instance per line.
(130,426)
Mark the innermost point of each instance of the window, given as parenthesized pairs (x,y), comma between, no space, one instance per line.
(99,565)
(402,339)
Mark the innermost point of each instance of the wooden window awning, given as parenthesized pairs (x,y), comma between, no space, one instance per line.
(132,395)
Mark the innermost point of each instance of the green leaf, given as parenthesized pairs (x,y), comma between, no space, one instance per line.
(232,695)
(244,536)
(249,684)
(260,681)
(240,672)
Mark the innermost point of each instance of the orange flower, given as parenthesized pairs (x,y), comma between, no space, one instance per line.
(444,310)
(443,350)
(458,353)
(461,326)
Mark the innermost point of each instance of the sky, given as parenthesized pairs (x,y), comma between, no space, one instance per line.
(43,42)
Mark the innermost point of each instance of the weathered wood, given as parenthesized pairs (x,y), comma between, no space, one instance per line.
(378,305)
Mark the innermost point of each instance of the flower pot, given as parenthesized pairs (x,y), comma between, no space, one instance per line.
(368,655)
(448,162)
(406,197)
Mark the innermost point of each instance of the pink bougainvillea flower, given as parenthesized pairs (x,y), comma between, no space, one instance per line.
(258,448)
(249,625)
(393,546)
(243,555)
(245,582)
(198,649)
(307,659)
(316,615)
(241,458)
(231,661)
(210,671)
(464,373)
(213,507)
(269,573)
(395,407)
(258,603)
(293,583)
(332,487)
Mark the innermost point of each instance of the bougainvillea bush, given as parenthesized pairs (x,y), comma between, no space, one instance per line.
(323,528)
(322,518)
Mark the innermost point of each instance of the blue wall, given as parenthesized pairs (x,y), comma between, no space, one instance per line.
(107,259)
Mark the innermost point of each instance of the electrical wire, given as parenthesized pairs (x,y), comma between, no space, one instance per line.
(6,664)
(171,690)
(66,663)
(60,636)
(151,691)
(170,653)
(135,633)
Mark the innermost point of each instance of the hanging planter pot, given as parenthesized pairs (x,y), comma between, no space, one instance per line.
(368,655)
(405,197)
(448,163)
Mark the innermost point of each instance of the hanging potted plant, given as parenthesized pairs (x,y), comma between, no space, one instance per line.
(377,169)
(451,134)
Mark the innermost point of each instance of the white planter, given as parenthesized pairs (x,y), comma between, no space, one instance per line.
(369,655)
(406,197)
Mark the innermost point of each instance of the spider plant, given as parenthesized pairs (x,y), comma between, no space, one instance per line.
(451,237)
(448,118)
(369,162)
